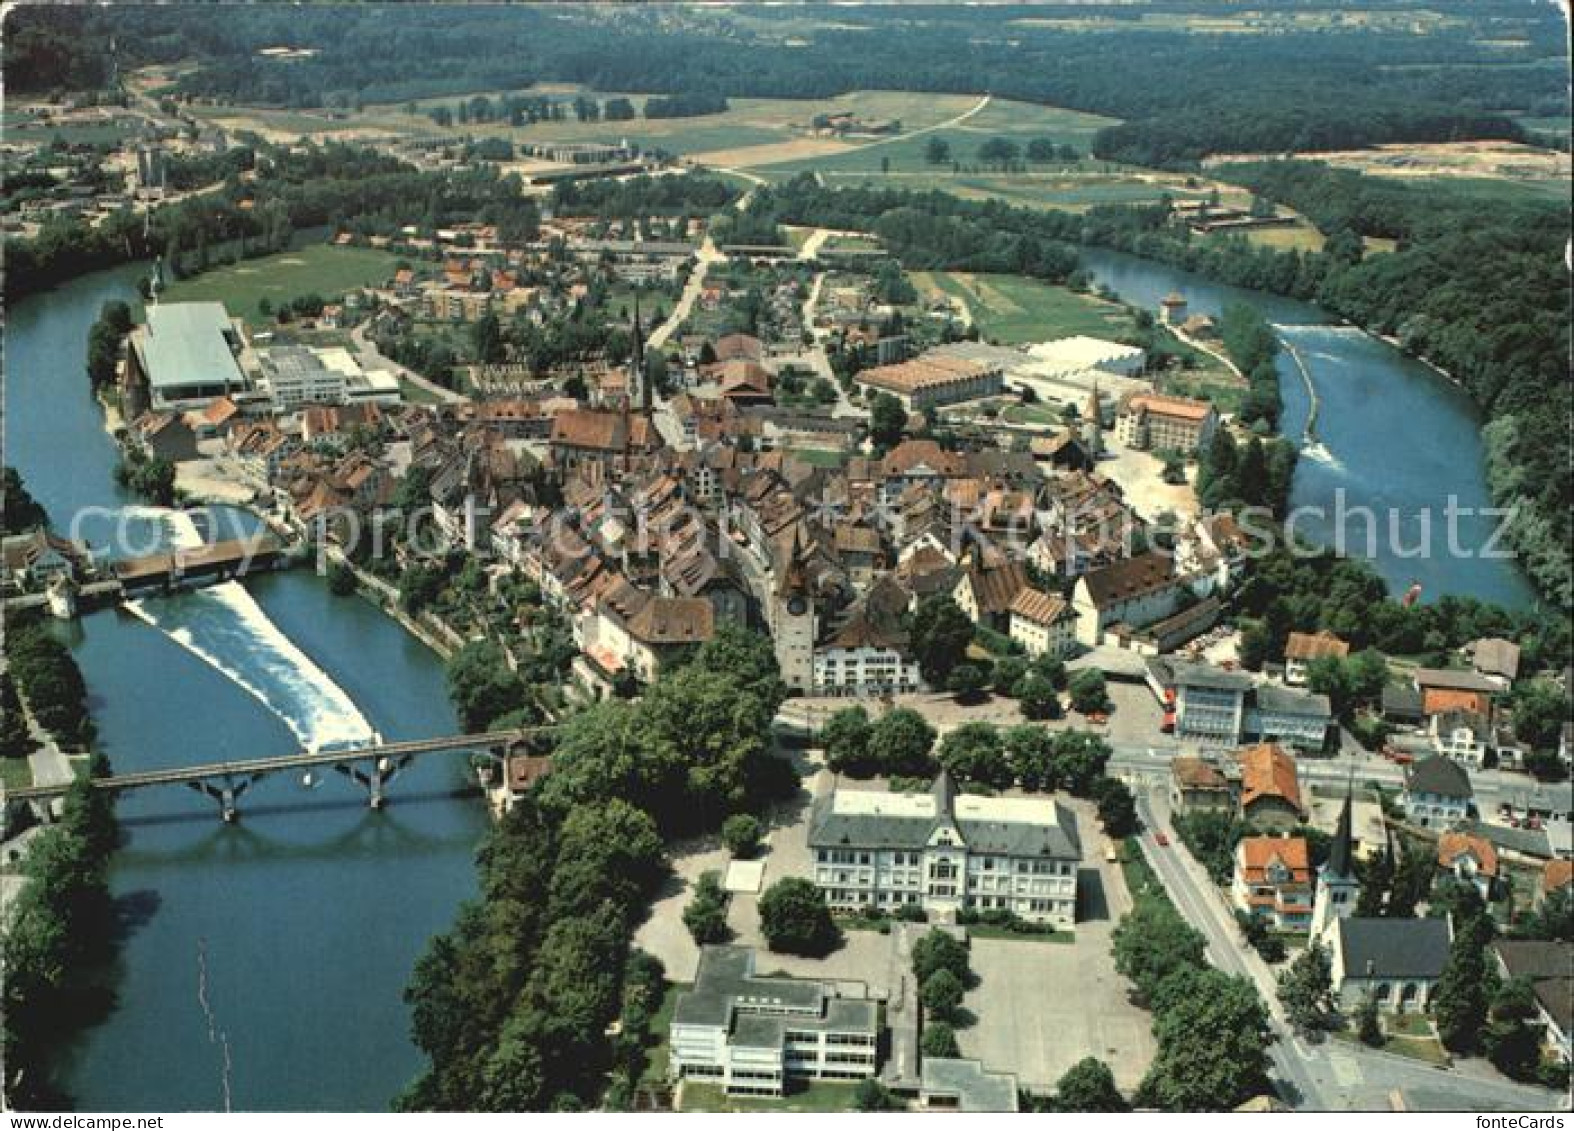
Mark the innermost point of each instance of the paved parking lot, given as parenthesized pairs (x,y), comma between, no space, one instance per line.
(1042,1006)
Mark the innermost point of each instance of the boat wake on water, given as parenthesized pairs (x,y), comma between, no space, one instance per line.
(225,627)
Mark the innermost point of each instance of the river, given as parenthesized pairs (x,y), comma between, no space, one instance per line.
(1395,438)
(263,962)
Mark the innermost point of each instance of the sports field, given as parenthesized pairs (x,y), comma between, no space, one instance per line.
(318,269)
(1011,309)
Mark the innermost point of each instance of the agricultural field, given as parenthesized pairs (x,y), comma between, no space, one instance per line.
(1302,237)
(318,269)
(965,129)
(1011,309)
(1526,167)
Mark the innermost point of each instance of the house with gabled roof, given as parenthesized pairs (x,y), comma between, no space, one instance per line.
(1134,592)
(1273,881)
(1437,792)
(1270,788)
(1469,859)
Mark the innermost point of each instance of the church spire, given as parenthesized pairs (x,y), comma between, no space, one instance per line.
(647,401)
(1340,854)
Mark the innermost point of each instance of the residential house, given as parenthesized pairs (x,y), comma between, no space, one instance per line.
(37,559)
(163,435)
(988,587)
(1270,788)
(867,655)
(1470,859)
(944,852)
(1043,623)
(1443,689)
(1549,968)
(751,1033)
(1437,792)
(1463,736)
(1133,592)
(1494,658)
(1396,962)
(1200,786)
(1303,647)
(1273,881)
(1402,705)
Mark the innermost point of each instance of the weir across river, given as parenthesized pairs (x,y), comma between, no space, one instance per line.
(372,767)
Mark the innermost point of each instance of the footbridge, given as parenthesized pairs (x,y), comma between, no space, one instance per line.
(372,767)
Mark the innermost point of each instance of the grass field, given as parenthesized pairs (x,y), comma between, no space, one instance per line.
(1011,309)
(317,269)
(15,773)
(1301,238)
(659,1054)
(819,1095)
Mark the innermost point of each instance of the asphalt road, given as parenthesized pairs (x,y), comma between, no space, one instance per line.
(1330,1075)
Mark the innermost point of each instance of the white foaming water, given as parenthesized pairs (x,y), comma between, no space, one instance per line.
(179,527)
(226,628)
(1316,330)
(1317,452)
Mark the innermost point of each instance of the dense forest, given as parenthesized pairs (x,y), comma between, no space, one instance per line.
(1328,83)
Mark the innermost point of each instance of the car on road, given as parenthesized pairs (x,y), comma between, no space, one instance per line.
(1161,840)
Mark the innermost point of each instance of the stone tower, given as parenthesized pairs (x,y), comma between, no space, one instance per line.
(792,618)
(1093,424)
(1338,887)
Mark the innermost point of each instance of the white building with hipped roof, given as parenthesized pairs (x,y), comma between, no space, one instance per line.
(946,852)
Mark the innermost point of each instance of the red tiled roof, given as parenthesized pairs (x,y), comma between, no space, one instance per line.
(1267,771)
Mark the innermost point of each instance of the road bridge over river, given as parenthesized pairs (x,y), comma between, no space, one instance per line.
(372,767)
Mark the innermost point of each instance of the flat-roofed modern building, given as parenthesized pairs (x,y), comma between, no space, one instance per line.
(184,355)
(750,1032)
(946,852)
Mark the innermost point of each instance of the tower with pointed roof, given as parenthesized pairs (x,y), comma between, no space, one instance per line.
(647,397)
(1093,424)
(1338,886)
(793,622)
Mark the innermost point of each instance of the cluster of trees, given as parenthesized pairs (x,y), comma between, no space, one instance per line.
(103,342)
(936,231)
(1477,1011)
(515,109)
(487,693)
(16,740)
(60,934)
(1212,1029)
(48,677)
(152,477)
(685,104)
(21,512)
(695,193)
(1259,473)
(944,974)
(512,1006)
(1254,347)
(1309,591)
(706,914)
(794,919)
